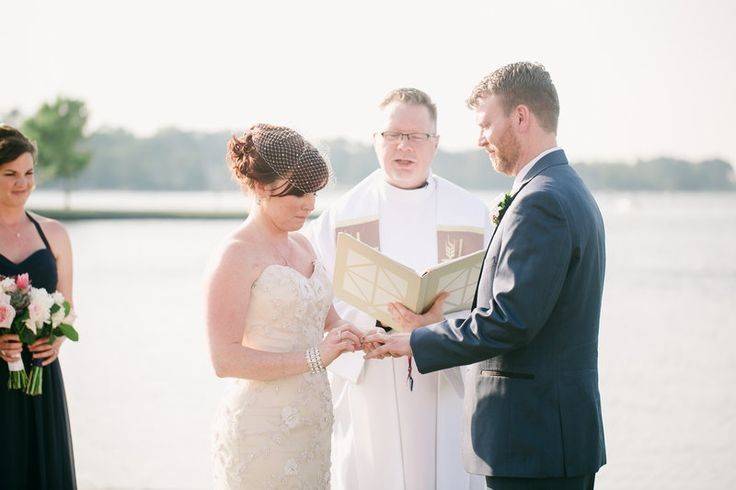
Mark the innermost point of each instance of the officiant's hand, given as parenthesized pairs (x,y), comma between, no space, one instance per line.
(409,321)
(394,345)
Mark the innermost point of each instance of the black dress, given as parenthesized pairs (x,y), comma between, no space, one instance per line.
(36,443)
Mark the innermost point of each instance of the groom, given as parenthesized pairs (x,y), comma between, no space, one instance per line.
(532,406)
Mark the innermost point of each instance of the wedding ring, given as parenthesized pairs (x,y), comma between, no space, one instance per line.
(340,334)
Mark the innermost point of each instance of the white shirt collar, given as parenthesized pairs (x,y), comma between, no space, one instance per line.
(428,186)
(525,169)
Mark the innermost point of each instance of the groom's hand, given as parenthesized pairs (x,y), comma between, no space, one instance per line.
(395,345)
(409,321)
(367,346)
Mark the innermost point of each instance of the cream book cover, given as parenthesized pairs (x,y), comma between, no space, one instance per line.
(368,280)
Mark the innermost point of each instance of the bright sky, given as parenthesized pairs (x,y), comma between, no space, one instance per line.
(636,79)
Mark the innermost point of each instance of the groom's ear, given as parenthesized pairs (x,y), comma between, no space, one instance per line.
(522,117)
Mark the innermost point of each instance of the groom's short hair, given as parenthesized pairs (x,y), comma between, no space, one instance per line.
(521,83)
(410,96)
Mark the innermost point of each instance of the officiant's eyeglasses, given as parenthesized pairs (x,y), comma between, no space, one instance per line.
(394,136)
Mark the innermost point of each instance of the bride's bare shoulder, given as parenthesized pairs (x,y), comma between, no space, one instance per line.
(240,253)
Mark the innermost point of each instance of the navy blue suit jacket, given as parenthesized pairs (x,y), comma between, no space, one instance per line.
(532,404)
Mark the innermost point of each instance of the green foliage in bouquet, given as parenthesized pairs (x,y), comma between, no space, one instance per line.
(35,380)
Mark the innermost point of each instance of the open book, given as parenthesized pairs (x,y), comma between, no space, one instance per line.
(368,280)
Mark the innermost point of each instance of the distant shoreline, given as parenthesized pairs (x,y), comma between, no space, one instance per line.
(135,207)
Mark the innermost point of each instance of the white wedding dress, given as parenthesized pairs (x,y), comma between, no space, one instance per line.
(276,434)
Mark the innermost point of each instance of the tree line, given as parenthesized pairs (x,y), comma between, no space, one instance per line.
(173,159)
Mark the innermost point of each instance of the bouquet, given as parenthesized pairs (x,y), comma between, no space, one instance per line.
(32,314)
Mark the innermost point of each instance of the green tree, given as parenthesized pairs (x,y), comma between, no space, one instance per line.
(58,129)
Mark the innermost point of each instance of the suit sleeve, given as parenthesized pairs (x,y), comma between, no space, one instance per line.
(530,271)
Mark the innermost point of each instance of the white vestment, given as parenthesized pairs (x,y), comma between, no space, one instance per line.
(384,435)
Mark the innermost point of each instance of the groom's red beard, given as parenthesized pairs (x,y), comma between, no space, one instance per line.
(505,153)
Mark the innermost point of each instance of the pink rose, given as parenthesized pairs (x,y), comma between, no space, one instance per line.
(7,312)
(22,281)
(7,315)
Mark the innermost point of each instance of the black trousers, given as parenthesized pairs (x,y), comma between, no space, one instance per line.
(584,482)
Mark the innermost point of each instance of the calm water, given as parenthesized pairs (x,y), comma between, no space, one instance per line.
(142,394)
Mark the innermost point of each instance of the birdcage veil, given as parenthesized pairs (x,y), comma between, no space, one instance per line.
(303,165)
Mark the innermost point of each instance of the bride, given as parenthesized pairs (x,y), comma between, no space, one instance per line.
(269,304)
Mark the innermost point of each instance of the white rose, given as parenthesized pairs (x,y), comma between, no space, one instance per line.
(58,298)
(58,318)
(8,285)
(39,309)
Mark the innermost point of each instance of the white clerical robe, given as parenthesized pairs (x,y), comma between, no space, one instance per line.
(386,435)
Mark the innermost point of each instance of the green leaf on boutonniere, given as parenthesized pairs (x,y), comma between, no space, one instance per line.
(501,208)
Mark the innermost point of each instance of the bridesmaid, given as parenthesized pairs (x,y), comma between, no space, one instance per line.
(36,444)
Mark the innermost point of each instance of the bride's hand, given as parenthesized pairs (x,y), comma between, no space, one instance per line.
(345,338)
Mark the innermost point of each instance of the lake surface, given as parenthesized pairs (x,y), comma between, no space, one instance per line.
(142,393)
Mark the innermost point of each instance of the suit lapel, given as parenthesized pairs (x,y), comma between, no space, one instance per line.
(550,160)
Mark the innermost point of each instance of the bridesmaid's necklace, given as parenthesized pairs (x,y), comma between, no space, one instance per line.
(14,230)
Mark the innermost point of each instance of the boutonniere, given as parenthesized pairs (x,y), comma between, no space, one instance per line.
(503,201)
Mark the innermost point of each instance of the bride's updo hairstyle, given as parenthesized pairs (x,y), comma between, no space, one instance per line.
(266,153)
(13,144)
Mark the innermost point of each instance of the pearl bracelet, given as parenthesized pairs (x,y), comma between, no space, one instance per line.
(314,360)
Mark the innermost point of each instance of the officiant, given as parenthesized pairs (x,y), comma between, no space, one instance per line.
(394,428)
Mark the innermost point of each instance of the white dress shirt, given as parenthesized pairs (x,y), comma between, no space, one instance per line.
(525,169)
